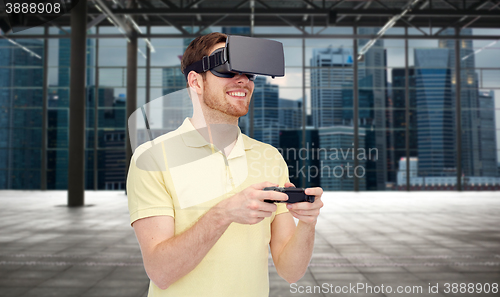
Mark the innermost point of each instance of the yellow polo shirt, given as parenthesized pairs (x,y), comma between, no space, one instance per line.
(180,174)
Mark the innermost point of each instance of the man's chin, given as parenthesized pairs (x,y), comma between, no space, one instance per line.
(238,113)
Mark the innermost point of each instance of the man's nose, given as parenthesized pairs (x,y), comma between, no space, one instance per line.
(240,77)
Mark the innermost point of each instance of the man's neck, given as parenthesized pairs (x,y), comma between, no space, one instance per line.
(210,117)
(222,132)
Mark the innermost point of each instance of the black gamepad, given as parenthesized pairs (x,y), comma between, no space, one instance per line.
(294,195)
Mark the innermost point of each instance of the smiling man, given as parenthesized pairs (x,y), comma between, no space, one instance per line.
(202,223)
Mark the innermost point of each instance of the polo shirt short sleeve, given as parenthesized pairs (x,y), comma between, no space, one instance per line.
(146,185)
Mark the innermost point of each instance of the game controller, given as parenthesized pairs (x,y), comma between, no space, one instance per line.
(295,195)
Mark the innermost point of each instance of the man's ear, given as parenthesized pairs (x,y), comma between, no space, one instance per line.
(195,81)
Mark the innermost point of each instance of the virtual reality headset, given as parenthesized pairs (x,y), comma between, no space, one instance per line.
(243,55)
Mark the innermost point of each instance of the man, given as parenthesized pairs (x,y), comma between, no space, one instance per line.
(202,223)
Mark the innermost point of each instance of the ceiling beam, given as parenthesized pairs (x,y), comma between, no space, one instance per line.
(477,18)
(438,13)
(212,24)
(292,24)
(194,4)
(450,4)
(336,4)
(413,26)
(53,24)
(263,4)
(171,23)
(478,4)
(241,4)
(381,4)
(96,21)
(286,36)
(114,17)
(170,4)
(312,4)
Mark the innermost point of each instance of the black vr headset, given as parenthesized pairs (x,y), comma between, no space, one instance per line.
(243,55)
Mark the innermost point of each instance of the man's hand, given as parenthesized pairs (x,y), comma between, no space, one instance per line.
(305,211)
(292,246)
(248,206)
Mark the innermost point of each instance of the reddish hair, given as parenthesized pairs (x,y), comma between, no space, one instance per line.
(200,47)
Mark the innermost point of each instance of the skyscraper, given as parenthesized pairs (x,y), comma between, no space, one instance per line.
(470,158)
(21,82)
(332,99)
(290,114)
(175,108)
(366,120)
(303,165)
(266,116)
(58,115)
(398,110)
(372,76)
(435,120)
(487,136)
(336,158)
(331,71)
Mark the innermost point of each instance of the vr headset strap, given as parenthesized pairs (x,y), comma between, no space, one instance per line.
(206,63)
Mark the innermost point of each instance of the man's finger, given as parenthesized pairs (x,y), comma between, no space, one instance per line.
(263,185)
(264,214)
(306,205)
(268,207)
(306,212)
(272,195)
(314,191)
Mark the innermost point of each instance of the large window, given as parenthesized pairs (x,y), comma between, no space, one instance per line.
(407,99)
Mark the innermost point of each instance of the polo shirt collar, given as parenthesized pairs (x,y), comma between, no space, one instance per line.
(193,138)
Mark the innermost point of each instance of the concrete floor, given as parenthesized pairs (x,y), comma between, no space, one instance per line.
(402,240)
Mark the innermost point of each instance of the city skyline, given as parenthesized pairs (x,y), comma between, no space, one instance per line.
(268,90)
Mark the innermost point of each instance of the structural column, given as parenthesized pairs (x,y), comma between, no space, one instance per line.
(43,172)
(304,115)
(355,105)
(131,86)
(96,111)
(148,70)
(76,162)
(458,109)
(407,113)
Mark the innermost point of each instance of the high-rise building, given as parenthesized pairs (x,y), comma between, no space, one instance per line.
(21,83)
(470,158)
(423,182)
(290,114)
(303,163)
(401,176)
(175,107)
(332,99)
(58,132)
(398,115)
(487,136)
(64,68)
(331,70)
(336,158)
(366,120)
(373,77)
(266,116)
(110,159)
(435,120)
(236,30)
